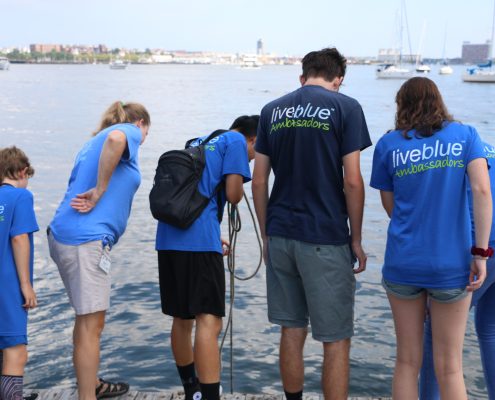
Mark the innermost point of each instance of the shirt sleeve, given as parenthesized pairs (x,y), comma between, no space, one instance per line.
(133,137)
(475,149)
(381,178)
(262,145)
(356,135)
(23,219)
(236,158)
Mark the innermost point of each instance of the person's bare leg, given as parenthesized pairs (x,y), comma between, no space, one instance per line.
(448,325)
(181,341)
(291,358)
(12,379)
(206,353)
(14,360)
(335,375)
(409,316)
(86,357)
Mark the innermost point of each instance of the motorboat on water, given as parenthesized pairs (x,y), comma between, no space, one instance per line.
(392,71)
(4,63)
(250,62)
(118,64)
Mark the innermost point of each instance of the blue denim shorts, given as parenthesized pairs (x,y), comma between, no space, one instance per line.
(408,292)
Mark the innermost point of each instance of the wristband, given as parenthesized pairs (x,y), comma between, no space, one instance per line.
(478,251)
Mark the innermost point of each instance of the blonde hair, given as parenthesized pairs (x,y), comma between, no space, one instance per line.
(120,112)
(12,161)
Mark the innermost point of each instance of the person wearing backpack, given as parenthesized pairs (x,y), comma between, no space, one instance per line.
(190,263)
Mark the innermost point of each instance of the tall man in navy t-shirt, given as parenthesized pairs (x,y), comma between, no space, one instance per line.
(312,139)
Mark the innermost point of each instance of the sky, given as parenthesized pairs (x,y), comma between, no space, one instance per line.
(287,27)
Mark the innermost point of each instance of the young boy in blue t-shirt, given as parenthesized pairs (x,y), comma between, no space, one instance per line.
(17,224)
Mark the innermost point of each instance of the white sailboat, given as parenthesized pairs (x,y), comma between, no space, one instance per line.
(422,68)
(396,70)
(483,73)
(445,69)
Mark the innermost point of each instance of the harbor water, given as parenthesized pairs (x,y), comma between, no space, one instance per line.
(50,111)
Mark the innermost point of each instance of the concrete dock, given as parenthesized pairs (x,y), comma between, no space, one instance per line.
(71,394)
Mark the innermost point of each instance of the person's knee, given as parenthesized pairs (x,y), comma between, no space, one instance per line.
(15,357)
(209,324)
(182,326)
(294,334)
(447,368)
(337,348)
(410,359)
(90,325)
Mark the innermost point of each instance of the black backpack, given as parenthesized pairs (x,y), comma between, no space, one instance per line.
(175,198)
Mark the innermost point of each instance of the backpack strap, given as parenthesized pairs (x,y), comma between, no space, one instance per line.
(212,135)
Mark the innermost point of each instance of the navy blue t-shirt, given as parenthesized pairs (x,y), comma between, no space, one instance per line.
(306,133)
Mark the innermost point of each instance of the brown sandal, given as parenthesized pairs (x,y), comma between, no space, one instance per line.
(107,389)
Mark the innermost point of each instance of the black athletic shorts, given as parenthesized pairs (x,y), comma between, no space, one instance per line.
(191,283)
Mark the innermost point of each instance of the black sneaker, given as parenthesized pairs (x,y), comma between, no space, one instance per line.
(193,391)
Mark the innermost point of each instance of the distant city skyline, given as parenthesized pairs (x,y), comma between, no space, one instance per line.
(356,27)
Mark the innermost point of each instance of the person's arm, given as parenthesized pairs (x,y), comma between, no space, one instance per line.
(113,149)
(234,188)
(21,249)
(261,174)
(482,210)
(354,197)
(387,201)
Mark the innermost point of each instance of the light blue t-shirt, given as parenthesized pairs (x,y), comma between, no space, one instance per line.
(429,235)
(16,218)
(108,220)
(226,154)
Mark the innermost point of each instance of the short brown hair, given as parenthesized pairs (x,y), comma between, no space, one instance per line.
(420,106)
(12,161)
(326,63)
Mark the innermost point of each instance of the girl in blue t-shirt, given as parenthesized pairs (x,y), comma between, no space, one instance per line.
(421,169)
(17,224)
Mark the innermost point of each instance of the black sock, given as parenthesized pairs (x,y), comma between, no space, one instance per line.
(11,387)
(188,378)
(293,396)
(210,391)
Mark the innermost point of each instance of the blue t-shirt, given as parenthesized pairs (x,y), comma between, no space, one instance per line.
(16,218)
(429,235)
(226,154)
(306,133)
(108,220)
